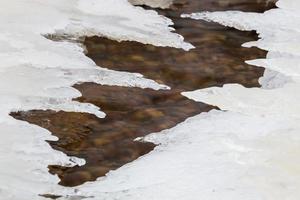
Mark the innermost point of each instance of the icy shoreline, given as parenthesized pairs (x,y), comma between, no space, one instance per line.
(248,152)
(37,73)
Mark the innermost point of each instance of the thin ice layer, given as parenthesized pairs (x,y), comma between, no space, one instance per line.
(37,73)
(248,151)
(278,177)
(213,156)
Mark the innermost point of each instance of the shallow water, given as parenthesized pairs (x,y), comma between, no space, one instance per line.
(107,143)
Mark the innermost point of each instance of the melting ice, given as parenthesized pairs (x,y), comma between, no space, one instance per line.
(248,151)
(37,73)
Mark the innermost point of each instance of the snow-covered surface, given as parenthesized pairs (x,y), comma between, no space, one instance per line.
(37,73)
(213,156)
(249,152)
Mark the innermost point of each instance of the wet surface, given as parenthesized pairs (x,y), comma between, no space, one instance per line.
(108,143)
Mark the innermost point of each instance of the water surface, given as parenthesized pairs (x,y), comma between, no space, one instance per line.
(108,143)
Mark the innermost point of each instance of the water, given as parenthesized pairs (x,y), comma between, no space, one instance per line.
(107,143)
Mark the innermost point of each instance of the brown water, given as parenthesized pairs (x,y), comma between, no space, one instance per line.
(107,143)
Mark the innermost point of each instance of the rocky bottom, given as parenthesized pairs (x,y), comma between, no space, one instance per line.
(107,144)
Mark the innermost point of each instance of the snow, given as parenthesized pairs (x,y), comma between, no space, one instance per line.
(248,150)
(215,155)
(37,73)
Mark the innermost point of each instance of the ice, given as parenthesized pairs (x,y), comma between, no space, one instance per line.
(274,168)
(38,73)
(247,150)
(215,155)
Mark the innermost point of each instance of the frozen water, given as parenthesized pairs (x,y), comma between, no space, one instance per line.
(37,73)
(248,151)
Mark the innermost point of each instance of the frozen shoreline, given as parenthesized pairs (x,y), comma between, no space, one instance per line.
(37,73)
(249,152)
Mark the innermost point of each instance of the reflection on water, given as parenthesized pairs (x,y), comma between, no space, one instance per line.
(107,143)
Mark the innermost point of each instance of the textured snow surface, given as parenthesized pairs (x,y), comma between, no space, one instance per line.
(37,73)
(215,155)
(249,152)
